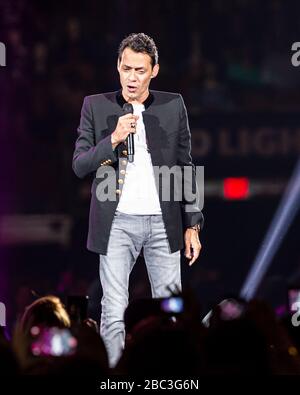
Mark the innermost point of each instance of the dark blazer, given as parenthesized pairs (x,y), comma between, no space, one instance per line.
(169,143)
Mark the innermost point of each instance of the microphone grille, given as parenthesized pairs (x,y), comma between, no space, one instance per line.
(128,108)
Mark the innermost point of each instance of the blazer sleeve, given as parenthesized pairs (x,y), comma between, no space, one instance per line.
(191,212)
(88,155)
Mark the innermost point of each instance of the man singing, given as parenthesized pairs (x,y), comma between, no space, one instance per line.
(137,215)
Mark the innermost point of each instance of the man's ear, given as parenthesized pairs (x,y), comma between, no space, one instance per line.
(118,64)
(155,71)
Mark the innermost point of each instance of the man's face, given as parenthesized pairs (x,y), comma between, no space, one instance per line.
(135,71)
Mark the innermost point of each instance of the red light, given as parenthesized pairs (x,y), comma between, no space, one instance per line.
(236,188)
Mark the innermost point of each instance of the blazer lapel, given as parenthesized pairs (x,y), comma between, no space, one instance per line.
(155,137)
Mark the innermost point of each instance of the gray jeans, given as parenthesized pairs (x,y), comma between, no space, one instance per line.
(129,233)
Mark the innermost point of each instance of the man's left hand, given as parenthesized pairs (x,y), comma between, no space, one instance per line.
(192,245)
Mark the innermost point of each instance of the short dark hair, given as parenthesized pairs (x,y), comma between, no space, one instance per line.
(140,42)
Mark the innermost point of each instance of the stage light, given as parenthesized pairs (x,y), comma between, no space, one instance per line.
(282,219)
(236,188)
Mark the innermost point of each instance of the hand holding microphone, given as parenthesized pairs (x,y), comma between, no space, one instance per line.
(126,126)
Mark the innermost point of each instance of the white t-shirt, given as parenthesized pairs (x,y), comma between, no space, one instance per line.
(139,194)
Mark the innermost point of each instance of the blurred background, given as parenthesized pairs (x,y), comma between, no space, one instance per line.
(231,61)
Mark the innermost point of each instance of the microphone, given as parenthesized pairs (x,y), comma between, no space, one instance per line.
(128,109)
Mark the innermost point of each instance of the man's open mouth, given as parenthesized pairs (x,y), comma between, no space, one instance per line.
(131,88)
